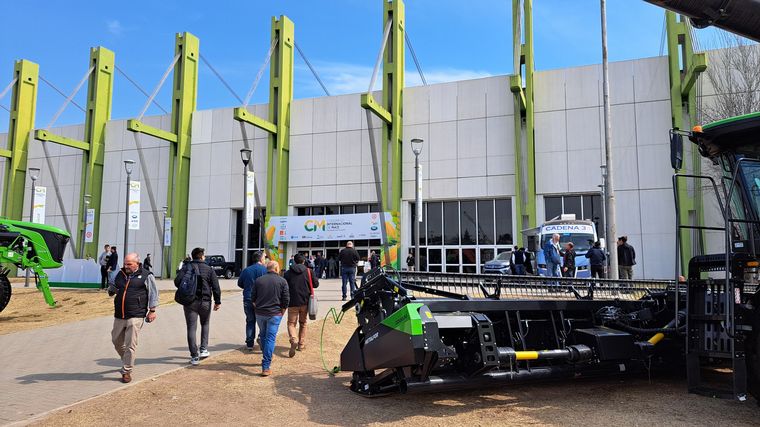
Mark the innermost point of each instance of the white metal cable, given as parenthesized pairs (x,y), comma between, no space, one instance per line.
(414,58)
(380,55)
(69,98)
(5,108)
(7,88)
(143,91)
(158,87)
(313,71)
(255,84)
(221,79)
(60,92)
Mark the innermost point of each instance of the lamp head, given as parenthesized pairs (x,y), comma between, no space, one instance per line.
(34,173)
(128,165)
(245,156)
(417,146)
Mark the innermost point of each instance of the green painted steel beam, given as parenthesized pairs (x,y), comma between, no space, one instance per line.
(242,115)
(521,85)
(684,66)
(43,135)
(23,107)
(99,102)
(5,153)
(280,98)
(184,101)
(137,126)
(368,102)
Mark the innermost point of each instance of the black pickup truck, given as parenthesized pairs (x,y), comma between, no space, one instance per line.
(221,267)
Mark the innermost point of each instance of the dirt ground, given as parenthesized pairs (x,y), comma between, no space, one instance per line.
(28,310)
(228,390)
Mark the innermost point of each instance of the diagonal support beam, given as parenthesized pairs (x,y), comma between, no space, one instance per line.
(137,126)
(368,102)
(242,115)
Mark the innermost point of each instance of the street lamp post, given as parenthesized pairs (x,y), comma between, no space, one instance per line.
(609,181)
(85,205)
(34,174)
(245,156)
(166,261)
(417,149)
(128,164)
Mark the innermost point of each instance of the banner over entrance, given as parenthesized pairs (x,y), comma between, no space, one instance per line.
(362,226)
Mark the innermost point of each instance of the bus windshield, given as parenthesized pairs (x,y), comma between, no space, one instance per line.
(581,242)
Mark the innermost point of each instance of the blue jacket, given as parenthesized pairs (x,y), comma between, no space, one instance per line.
(596,256)
(551,255)
(248,277)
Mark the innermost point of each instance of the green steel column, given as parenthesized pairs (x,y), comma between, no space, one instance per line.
(393,91)
(525,177)
(184,98)
(684,66)
(280,98)
(99,98)
(23,107)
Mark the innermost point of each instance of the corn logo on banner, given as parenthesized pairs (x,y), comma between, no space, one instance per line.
(89,225)
(38,205)
(134,205)
(364,226)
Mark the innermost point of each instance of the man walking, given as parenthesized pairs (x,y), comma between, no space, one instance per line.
(245,281)
(207,287)
(113,264)
(348,258)
(271,297)
(135,303)
(568,260)
(596,260)
(318,268)
(103,262)
(301,284)
(147,264)
(552,256)
(626,258)
(518,260)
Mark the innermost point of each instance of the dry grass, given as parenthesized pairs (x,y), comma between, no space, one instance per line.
(28,310)
(227,390)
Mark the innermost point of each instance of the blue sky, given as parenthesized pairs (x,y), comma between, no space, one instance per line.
(454,40)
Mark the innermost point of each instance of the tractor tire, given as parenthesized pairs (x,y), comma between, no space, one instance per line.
(229,274)
(5,291)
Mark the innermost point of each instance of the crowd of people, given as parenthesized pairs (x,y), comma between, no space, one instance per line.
(267,297)
(560,261)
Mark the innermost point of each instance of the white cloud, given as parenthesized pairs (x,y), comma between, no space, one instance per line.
(114,27)
(343,78)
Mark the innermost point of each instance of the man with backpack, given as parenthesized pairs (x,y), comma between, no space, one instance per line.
(196,284)
(301,284)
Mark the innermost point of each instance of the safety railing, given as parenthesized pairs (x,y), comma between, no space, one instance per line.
(493,286)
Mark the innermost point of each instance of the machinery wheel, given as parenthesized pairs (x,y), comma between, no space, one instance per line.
(5,291)
(229,274)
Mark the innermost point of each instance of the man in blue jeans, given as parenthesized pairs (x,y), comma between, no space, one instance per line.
(348,258)
(246,281)
(270,296)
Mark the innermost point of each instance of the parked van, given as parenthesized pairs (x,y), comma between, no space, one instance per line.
(581,232)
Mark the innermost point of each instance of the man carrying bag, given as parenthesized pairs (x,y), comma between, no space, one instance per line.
(301,284)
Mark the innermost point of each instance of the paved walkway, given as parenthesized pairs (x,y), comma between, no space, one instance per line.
(48,368)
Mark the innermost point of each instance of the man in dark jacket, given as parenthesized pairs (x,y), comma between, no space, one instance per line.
(348,258)
(318,267)
(626,258)
(518,261)
(135,302)
(246,280)
(147,264)
(301,283)
(270,297)
(113,264)
(568,260)
(596,260)
(208,287)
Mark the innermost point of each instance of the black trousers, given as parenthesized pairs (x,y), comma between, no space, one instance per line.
(198,309)
(569,273)
(103,277)
(597,271)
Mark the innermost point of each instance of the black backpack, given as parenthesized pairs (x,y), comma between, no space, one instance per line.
(187,288)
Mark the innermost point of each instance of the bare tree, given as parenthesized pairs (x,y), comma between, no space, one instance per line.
(734,73)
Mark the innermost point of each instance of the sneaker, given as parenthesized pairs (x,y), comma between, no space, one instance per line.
(258,341)
(195,361)
(204,353)
(344,298)
(126,377)
(293,347)
(301,347)
(266,372)
(249,347)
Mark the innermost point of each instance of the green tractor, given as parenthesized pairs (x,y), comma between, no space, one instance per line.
(30,246)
